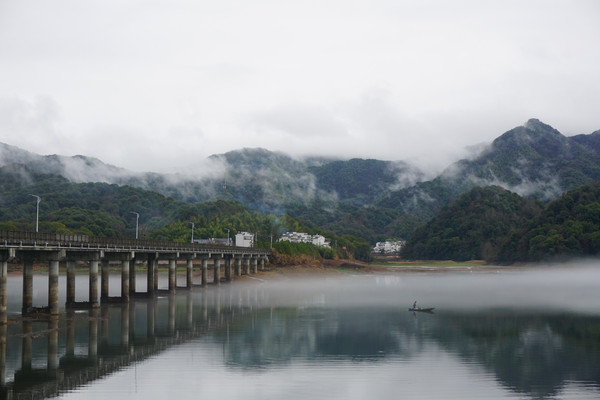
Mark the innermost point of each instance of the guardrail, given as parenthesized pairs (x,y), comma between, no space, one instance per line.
(57,240)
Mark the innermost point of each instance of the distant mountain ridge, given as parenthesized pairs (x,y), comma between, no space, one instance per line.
(376,198)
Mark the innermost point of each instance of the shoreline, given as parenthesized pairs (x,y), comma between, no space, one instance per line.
(326,267)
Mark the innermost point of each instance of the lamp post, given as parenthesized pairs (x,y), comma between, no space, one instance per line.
(192,232)
(137,221)
(228,244)
(37,211)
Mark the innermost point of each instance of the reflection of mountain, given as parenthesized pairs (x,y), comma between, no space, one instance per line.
(528,353)
(531,354)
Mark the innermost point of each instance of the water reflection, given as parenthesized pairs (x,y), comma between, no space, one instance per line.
(318,331)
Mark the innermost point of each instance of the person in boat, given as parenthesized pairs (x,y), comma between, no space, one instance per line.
(414,306)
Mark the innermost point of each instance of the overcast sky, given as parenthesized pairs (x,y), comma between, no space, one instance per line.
(157,85)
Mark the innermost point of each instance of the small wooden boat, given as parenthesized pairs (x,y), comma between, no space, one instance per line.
(419,309)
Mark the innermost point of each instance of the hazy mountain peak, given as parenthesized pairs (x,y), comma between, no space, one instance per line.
(536,125)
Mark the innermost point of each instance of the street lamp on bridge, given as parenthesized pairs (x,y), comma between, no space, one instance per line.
(37,211)
(137,222)
(192,231)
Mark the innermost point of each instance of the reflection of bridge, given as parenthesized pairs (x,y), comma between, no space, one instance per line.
(108,349)
(29,247)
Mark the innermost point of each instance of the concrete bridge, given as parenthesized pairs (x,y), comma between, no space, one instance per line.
(28,248)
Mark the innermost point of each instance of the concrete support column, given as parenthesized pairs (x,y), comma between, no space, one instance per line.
(238,266)
(94,283)
(104,280)
(53,288)
(262,263)
(228,269)
(189,273)
(93,335)
(150,284)
(247,266)
(254,265)
(125,281)
(204,270)
(172,276)
(70,282)
(3,275)
(155,265)
(53,345)
(132,276)
(217,271)
(27,286)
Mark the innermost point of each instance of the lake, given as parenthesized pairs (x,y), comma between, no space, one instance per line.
(502,334)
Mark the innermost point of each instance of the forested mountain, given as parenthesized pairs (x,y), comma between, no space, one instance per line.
(533,160)
(499,226)
(372,199)
(568,227)
(102,209)
(473,226)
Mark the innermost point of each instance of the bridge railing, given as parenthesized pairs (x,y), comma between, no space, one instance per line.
(18,238)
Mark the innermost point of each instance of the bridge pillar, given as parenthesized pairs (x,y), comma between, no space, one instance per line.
(217,270)
(94,283)
(104,286)
(53,287)
(151,273)
(172,275)
(70,282)
(254,265)
(27,285)
(204,270)
(238,266)
(125,280)
(132,276)
(228,268)
(262,263)
(246,266)
(189,273)
(3,275)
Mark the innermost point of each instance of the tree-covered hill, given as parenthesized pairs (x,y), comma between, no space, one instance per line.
(533,160)
(101,209)
(472,226)
(568,227)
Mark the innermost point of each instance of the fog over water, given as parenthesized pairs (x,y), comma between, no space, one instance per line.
(568,287)
(496,333)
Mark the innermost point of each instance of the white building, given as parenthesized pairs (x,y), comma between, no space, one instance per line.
(388,247)
(244,239)
(301,237)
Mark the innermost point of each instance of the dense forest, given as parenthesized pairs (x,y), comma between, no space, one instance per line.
(102,209)
(471,227)
(499,226)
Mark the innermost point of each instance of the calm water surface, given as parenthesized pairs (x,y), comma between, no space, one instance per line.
(531,334)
